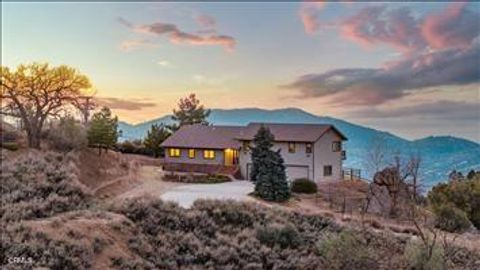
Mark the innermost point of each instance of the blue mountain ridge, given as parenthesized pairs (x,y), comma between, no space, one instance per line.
(439,154)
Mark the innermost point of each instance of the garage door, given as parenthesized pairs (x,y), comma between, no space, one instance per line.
(294,172)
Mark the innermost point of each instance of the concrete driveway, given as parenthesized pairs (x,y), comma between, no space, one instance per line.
(185,195)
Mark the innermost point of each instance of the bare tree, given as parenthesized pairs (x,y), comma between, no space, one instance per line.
(36,91)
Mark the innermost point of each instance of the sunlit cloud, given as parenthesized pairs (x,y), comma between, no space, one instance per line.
(123,104)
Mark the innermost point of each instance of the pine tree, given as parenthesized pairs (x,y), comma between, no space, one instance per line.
(268,168)
(189,112)
(102,131)
(155,136)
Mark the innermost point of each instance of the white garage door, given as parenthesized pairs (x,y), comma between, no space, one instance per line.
(294,172)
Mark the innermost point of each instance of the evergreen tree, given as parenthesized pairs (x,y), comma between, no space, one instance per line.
(268,168)
(102,131)
(155,136)
(189,112)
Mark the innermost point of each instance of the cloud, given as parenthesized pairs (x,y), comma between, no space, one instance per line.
(123,104)
(310,16)
(164,63)
(206,21)
(455,26)
(362,86)
(443,109)
(177,36)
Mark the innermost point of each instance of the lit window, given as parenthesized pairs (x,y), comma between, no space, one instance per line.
(291,147)
(174,152)
(191,153)
(308,148)
(209,154)
(337,146)
(327,170)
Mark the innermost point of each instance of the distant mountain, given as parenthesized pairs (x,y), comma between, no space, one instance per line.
(439,154)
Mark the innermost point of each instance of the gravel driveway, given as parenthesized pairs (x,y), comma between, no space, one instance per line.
(185,195)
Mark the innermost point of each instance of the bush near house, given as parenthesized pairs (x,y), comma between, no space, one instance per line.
(197,179)
(303,185)
(12,146)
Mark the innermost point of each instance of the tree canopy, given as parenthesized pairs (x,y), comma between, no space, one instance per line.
(37,91)
(155,136)
(190,112)
(102,131)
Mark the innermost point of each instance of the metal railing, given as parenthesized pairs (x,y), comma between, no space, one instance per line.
(351,174)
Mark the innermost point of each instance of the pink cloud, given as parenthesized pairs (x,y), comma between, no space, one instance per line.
(206,21)
(455,26)
(309,15)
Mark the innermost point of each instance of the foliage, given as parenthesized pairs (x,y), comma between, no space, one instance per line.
(346,250)
(286,236)
(36,91)
(40,186)
(133,147)
(269,170)
(463,194)
(416,255)
(67,134)
(12,146)
(102,132)
(198,179)
(451,219)
(190,112)
(155,136)
(303,185)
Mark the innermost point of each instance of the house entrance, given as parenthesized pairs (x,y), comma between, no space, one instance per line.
(230,156)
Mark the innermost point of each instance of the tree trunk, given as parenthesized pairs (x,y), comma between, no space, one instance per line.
(33,138)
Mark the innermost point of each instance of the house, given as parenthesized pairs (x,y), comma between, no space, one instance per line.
(312,151)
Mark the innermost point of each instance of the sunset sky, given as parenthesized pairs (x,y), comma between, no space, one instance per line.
(410,69)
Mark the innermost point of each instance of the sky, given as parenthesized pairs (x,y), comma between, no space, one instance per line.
(412,69)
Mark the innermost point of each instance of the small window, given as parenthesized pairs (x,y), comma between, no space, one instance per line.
(344,155)
(209,154)
(327,170)
(174,152)
(291,147)
(191,153)
(308,148)
(246,146)
(337,146)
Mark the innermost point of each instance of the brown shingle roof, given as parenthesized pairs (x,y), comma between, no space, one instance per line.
(289,132)
(201,136)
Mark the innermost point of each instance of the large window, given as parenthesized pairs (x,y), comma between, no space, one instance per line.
(209,154)
(327,170)
(308,148)
(191,153)
(337,146)
(173,152)
(291,147)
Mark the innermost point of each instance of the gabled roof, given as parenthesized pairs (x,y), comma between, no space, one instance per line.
(289,132)
(202,136)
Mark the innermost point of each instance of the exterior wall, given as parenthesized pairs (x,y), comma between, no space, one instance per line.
(295,160)
(324,155)
(183,158)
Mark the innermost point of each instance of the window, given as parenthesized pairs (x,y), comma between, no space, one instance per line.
(191,153)
(291,147)
(308,148)
(344,155)
(246,146)
(174,152)
(327,170)
(337,146)
(209,154)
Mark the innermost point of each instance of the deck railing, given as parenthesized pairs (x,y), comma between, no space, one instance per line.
(351,174)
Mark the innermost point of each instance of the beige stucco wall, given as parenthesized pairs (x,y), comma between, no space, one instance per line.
(183,158)
(324,155)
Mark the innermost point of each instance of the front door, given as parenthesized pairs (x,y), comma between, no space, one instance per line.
(231,156)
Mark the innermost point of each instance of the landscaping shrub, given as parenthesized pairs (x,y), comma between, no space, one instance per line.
(12,146)
(197,179)
(284,236)
(451,219)
(303,185)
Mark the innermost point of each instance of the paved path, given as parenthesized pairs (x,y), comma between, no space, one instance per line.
(185,195)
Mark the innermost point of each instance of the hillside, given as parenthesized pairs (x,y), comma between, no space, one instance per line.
(439,154)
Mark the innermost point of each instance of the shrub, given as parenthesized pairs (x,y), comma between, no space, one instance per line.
(284,236)
(451,219)
(67,134)
(12,146)
(418,258)
(303,185)
(346,250)
(197,179)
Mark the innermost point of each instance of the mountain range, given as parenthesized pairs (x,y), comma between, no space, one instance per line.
(439,154)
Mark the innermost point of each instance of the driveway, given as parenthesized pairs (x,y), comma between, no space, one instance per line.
(185,195)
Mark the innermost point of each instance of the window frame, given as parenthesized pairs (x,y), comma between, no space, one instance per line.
(174,152)
(209,157)
(336,146)
(330,167)
(190,155)
(291,149)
